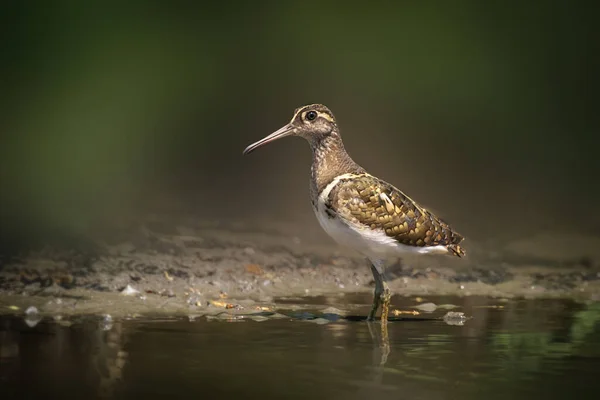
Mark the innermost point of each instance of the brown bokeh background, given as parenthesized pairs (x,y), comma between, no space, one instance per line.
(486,113)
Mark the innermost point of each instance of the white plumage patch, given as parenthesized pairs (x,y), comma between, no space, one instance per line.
(372,243)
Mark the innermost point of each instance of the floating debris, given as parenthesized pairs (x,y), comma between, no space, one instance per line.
(455,318)
(400,312)
(14,308)
(129,291)
(169,277)
(225,305)
(254,269)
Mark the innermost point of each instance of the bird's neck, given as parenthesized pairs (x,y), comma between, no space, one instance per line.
(330,160)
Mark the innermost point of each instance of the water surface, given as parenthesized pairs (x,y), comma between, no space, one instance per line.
(518,349)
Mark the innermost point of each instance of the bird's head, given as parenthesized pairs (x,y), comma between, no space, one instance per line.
(313,122)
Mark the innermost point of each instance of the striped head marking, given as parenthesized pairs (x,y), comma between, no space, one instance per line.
(313,122)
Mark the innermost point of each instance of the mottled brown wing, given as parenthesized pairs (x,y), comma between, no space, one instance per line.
(376,204)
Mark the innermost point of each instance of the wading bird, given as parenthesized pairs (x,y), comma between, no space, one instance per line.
(359,210)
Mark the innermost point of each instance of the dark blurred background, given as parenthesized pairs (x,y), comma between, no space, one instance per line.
(486,113)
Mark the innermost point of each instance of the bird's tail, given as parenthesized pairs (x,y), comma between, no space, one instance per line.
(457,250)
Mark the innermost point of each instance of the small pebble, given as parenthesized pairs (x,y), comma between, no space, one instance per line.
(447,306)
(427,307)
(304,315)
(319,321)
(455,318)
(31,311)
(278,316)
(331,317)
(129,291)
(333,310)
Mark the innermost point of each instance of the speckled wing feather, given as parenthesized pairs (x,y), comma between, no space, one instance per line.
(375,204)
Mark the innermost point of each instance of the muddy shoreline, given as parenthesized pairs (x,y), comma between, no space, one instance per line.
(190,267)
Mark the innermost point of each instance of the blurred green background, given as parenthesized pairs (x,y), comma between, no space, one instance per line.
(484,112)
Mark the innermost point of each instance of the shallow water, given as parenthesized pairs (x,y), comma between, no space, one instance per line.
(524,349)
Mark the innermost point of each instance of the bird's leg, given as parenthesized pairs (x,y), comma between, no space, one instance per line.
(379,289)
(382,297)
(382,293)
(385,303)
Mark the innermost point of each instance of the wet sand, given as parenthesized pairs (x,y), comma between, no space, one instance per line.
(189,266)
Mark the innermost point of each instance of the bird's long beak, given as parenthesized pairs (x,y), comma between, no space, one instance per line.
(278,134)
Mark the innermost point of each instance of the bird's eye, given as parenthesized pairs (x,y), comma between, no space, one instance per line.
(311,115)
